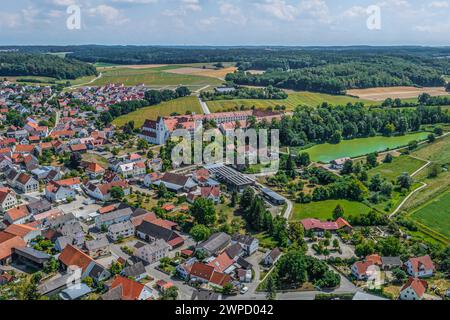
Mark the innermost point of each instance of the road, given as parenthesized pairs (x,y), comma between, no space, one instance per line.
(87,83)
(204,106)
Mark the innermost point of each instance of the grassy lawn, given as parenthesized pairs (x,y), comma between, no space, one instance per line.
(152,77)
(435,214)
(323,210)
(438,152)
(295,99)
(180,106)
(362,146)
(399,165)
(265,240)
(90,157)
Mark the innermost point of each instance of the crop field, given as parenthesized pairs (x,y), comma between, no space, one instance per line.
(156,77)
(180,106)
(399,165)
(359,147)
(435,215)
(381,94)
(295,99)
(324,209)
(207,72)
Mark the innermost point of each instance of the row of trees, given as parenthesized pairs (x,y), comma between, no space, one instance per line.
(332,124)
(152,97)
(246,93)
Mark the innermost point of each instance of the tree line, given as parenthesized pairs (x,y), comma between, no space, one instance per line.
(152,97)
(246,93)
(332,124)
(23,64)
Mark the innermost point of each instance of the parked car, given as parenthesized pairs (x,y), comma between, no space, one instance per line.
(244,290)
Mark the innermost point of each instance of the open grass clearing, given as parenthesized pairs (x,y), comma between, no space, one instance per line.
(399,165)
(438,152)
(381,94)
(294,100)
(205,72)
(155,76)
(180,106)
(361,146)
(323,210)
(435,214)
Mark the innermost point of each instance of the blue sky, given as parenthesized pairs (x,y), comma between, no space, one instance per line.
(230,22)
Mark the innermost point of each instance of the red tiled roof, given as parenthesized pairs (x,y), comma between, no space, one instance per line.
(131,290)
(24,148)
(221,262)
(18,213)
(424,261)
(19,230)
(201,270)
(309,224)
(419,286)
(375,259)
(7,246)
(71,256)
(220,279)
(78,147)
(362,266)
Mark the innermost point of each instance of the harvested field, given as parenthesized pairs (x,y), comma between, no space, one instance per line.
(135,66)
(381,94)
(213,73)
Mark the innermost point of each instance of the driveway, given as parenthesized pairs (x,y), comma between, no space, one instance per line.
(184,291)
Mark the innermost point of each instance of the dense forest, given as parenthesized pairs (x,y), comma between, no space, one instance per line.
(321,69)
(24,64)
(332,124)
(336,78)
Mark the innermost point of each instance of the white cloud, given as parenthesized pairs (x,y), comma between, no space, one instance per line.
(109,14)
(10,20)
(279,9)
(232,13)
(439,4)
(63,2)
(356,11)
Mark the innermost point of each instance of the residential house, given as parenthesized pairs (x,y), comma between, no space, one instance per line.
(27,233)
(362,270)
(72,257)
(184,269)
(177,183)
(320,227)
(102,192)
(414,289)
(19,215)
(26,183)
(248,243)
(272,257)
(126,289)
(56,192)
(39,206)
(98,247)
(8,199)
(153,252)
(203,273)
(222,263)
(151,231)
(338,164)
(121,230)
(113,217)
(420,267)
(94,170)
(136,271)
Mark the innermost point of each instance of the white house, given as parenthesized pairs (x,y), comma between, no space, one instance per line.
(56,192)
(113,217)
(414,289)
(123,229)
(152,252)
(102,191)
(272,257)
(26,183)
(248,243)
(420,267)
(8,199)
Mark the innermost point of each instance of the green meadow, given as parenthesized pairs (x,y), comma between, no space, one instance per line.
(295,99)
(399,165)
(323,210)
(180,106)
(435,215)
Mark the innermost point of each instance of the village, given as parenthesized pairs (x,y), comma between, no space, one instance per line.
(91,211)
